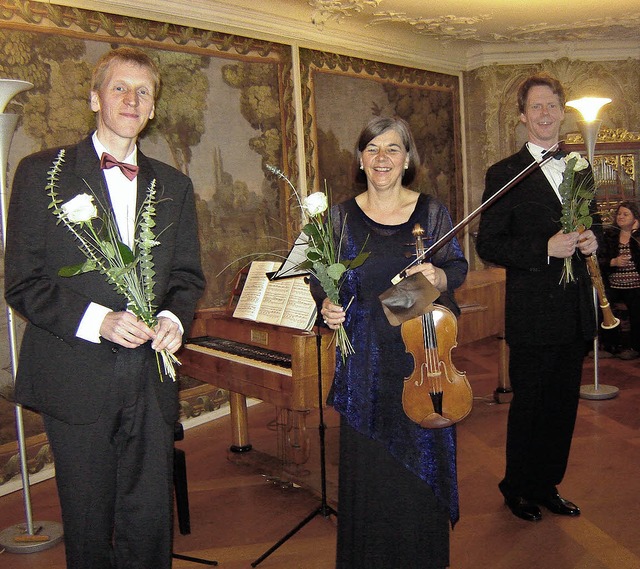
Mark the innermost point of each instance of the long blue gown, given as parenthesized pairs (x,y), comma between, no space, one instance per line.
(397,486)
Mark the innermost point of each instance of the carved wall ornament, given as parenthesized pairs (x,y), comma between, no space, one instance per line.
(606,135)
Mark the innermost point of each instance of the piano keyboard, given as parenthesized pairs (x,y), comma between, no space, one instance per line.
(253,356)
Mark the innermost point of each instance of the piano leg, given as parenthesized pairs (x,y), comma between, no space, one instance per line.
(239,423)
(297,439)
(293,443)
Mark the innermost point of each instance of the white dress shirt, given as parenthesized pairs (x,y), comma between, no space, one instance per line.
(553,169)
(123,194)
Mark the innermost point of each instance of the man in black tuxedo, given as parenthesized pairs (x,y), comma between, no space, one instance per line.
(87,364)
(548,323)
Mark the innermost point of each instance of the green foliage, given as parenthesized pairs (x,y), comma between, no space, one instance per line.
(323,252)
(576,199)
(576,196)
(129,271)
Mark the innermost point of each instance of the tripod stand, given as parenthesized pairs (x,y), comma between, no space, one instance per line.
(324,509)
(193,559)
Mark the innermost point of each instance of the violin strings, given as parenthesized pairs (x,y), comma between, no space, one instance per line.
(431,352)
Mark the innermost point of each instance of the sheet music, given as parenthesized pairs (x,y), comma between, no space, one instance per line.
(283,301)
(300,311)
(254,289)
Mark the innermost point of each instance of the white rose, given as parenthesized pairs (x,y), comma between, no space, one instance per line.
(581,163)
(80,209)
(315,203)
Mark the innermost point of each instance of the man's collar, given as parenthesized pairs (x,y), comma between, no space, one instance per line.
(101,148)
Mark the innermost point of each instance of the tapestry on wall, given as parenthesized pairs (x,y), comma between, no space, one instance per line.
(344,93)
(223,114)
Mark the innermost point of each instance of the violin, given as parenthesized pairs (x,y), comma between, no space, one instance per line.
(436,394)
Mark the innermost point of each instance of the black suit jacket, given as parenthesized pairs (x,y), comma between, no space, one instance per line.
(514,232)
(59,373)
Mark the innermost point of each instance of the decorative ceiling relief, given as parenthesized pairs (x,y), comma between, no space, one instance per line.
(445,28)
(605,28)
(326,10)
(457,27)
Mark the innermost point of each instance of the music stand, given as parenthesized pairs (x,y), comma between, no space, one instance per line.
(323,509)
(290,268)
(193,559)
(294,259)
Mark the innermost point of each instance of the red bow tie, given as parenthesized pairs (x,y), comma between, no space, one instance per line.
(129,170)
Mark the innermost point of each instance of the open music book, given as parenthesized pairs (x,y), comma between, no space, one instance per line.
(286,302)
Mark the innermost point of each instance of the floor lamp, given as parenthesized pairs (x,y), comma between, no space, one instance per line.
(28,537)
(589,127)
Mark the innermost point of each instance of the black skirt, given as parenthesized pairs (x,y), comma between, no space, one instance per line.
(387,517)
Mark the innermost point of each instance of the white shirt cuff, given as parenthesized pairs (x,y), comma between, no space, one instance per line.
(89,328)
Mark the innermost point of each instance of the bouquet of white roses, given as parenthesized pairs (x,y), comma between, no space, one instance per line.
(129,270)
(323,253)
(576,200)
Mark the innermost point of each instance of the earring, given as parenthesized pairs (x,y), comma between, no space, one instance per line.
(361,167)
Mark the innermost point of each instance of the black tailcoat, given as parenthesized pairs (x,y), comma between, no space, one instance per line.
(514,232)
(58,373)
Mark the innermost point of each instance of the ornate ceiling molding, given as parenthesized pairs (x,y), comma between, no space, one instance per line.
(451,44)
(450,27)
(445,28)
(604,28)
(326,10)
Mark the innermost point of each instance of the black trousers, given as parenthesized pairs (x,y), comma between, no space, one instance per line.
(114,481)
(546,391)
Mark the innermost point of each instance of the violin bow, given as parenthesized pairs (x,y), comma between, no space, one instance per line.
(546,156)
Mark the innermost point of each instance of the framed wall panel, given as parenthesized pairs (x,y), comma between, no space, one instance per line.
(341,94)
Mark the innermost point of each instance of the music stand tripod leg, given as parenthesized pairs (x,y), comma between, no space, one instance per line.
(194,559)
(324,509)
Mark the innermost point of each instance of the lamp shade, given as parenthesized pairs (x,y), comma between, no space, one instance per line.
(9,88)
(589,106)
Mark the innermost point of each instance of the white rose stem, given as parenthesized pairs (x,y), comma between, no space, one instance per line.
(19,538)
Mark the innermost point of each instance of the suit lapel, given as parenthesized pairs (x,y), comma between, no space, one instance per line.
(87,168)
(537,182)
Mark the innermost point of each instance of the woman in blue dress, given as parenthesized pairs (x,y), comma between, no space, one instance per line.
(397,481)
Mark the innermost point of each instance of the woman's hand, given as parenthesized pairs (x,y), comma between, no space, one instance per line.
(435,275)
(332,314)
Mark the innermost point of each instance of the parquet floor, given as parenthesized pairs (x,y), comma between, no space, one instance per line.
(237,514)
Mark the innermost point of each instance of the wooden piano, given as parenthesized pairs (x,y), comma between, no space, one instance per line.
(276,364)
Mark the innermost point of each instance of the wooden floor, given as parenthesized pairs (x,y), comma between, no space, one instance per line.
(238,514)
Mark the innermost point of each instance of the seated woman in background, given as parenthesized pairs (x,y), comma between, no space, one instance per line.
(619,257)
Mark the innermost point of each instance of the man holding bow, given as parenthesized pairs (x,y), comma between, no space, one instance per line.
(86,363)
(549,323)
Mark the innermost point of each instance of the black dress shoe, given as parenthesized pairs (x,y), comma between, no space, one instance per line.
(523,509)
(558,505)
